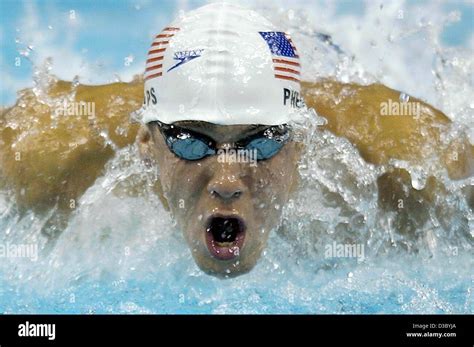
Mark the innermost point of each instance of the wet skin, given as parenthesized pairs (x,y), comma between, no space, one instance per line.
(196,191)
(58,163)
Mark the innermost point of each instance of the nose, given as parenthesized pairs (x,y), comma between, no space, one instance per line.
(226,184)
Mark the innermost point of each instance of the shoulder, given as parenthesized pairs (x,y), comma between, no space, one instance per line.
(385,124)
(53,148)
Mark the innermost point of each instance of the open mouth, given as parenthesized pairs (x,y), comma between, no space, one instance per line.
(225,236)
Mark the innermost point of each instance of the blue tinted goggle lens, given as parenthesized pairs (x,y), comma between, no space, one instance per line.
(190,146)
(264,147)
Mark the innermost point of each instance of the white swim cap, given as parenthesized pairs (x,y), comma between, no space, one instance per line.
(225,65)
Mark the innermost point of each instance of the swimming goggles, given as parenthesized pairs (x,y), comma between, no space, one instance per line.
(190,145)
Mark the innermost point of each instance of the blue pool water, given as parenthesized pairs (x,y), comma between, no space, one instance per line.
(124,255)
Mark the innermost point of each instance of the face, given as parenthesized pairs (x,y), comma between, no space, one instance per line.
(226,208)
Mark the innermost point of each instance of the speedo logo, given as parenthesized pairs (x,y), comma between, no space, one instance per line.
(292,98)
(185,56)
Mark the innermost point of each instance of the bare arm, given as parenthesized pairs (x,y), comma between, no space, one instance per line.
(48,162)
(49,159)
(355,112)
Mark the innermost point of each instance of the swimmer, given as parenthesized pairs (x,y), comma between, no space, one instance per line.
(217,80)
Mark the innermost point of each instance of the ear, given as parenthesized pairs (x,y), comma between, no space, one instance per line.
(144,142)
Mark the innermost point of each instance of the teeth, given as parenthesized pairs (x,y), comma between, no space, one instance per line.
(224,244)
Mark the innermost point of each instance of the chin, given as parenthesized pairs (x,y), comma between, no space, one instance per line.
(224,269)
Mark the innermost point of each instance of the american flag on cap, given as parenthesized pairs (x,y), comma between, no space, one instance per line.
(286,62)
(154,63)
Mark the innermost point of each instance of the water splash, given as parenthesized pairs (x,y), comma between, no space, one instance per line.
(121,252)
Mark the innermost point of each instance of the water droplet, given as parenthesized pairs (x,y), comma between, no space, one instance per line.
(128,60)
(75,81)
(418,178)
(291,14)
(404,97)
(24,53)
